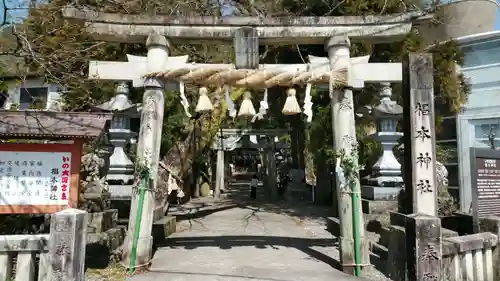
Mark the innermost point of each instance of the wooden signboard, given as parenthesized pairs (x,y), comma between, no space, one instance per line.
(39,178)
(485,182)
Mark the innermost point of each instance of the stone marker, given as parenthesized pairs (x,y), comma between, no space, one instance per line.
(420,143)
(67,245)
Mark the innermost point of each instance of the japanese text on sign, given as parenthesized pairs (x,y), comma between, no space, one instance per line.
(34,178)
(422,134)
(423,148)
(487,186)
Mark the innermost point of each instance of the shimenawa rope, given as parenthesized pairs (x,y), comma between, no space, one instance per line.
(251,78)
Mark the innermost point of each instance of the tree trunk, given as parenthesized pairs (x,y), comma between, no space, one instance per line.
(179,159)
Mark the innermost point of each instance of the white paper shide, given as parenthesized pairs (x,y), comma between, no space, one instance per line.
(34,178)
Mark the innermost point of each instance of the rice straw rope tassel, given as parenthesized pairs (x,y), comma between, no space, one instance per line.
(246,108)
(291,106)
(204,104)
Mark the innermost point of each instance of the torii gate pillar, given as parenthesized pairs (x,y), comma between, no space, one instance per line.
(148,152)
(344,137)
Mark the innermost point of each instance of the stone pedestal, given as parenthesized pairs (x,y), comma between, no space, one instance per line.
(380,193)
(423,247)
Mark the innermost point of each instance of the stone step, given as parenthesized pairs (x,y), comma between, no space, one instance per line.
(124,212)
(379,250)
(102,247)
(378,258)
(378,207)
(199,208)
(122,221)
(333,226)
(163,228)
(381,236)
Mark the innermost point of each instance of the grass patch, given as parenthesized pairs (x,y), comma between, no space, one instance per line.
(114,272)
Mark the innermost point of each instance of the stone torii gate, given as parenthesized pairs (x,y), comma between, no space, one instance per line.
(157,67)
(136,69)
(266,148)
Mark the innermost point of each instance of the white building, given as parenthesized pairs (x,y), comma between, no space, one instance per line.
(27,92)
(481,114)
(31,92)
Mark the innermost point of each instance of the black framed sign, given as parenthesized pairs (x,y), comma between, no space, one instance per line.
(485,182)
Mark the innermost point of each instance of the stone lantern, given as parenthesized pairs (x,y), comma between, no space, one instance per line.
(386,181)
(121,169)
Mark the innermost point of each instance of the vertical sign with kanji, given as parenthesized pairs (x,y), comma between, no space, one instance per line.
(419,134)
(65,174)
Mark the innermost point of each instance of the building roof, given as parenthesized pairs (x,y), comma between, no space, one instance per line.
(120,103)
(474,38)
(50,124)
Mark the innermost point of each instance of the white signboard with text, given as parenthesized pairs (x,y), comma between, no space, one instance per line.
(34,178)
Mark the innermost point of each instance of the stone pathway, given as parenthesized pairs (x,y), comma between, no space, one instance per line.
(249,241)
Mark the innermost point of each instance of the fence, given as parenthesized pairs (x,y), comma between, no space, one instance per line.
(59,255)
(23,252)
(419,249)
(469,257)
